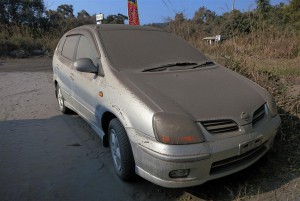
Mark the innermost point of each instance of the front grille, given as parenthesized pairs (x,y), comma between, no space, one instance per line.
(220,126)
(237,161)
(258,115)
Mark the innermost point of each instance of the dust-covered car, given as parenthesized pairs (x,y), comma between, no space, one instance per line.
(167,112)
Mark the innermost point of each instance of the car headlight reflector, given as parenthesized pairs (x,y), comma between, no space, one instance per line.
(176,129)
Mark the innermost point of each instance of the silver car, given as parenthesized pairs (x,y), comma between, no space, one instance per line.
(167,112)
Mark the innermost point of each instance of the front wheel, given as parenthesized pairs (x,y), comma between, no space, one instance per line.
(121,151)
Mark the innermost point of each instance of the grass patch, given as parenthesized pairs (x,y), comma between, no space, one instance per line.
(279,67)
(23,40)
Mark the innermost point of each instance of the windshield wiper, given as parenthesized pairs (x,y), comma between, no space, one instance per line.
(166,66)
(204,64)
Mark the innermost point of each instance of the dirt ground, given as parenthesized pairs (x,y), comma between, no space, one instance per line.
(45,155)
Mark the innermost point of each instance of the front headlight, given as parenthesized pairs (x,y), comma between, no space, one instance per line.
(271,104)
(176,129)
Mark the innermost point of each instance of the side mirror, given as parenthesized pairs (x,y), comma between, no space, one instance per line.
(85,65)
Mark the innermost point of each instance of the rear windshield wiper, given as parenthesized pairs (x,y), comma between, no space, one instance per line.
(166,66)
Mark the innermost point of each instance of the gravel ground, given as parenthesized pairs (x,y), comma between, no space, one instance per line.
(45,155)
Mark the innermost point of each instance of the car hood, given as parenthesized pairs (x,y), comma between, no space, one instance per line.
(202,94)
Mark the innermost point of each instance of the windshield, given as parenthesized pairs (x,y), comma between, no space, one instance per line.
(137,50)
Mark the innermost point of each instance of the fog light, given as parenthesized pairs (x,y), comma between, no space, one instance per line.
(179,173)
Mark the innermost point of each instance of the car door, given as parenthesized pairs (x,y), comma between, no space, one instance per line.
(85,85)
(64,67)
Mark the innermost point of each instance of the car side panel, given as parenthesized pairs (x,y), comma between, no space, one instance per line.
(85,92)
(85,85)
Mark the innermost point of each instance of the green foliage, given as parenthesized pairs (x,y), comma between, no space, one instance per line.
(21,12)
(115,19)
(204,16)
(295,5)
(28,14)
(26,24)
(267,18)
(263,7)
(66,11)
(236,23)
(83,14)
(292,14)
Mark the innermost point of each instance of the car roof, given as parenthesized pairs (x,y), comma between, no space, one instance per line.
(114,27)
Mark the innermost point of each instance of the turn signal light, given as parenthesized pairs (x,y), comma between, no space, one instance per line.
(178,140)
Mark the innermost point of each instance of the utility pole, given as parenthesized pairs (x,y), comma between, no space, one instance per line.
(233,5)
(133,13)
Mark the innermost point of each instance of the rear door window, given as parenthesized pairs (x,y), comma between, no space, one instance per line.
(69,47)
(87,49)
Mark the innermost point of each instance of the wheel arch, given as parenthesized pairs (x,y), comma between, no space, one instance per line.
(105,120)
(106,117)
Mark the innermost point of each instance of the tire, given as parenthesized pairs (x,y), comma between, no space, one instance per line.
(61,101)
(121,151)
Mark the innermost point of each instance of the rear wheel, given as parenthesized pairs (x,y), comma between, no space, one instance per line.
(121,150)
(61,101)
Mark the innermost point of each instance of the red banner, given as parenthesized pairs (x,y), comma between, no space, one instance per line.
(133,14)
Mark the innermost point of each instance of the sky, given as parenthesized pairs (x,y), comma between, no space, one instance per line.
(155,11)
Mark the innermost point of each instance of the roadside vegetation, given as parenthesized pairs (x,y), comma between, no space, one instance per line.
(262,44)
(28,26)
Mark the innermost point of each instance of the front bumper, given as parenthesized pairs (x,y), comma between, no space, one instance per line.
(206,161)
